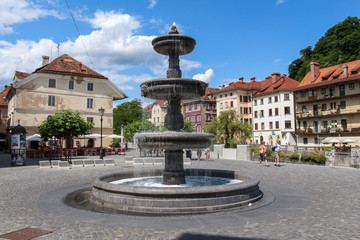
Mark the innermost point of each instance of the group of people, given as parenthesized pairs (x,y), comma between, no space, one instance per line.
(276,148)
(206,151)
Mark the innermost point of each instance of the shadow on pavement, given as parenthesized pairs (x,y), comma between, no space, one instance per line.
(192,236)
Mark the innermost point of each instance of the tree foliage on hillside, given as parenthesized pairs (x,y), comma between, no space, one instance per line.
(340,44)
(127,113)
(228,129)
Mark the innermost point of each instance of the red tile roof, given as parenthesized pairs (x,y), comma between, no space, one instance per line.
(161,103)
(148,108)
(283,83)
(66,65)
(21,75)
(331,74)
(2,95)
(241,85)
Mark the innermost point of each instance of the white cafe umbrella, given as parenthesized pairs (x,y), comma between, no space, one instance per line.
(35,137)
(334,141)
(348,140)
(114,136)
(93,135)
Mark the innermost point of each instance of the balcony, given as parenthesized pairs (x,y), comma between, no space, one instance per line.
(327,131)
(327,113)
(330,96)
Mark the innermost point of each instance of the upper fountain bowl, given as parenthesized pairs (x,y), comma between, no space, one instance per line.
(173,43)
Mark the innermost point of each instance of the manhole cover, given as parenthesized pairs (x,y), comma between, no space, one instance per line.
(25,234)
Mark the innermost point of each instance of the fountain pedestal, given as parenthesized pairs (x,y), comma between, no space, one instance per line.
(174,173)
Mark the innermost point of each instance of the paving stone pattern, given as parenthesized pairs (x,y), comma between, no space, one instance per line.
(330,209)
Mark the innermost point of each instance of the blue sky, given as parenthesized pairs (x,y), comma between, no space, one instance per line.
(235,38)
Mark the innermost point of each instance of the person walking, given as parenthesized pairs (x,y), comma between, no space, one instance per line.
(198,154)
(207,154)
(277,148)
(263,154)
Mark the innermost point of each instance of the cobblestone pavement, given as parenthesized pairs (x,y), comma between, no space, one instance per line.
(310,202)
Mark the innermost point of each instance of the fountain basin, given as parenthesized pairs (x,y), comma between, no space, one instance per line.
(173,140)
(181,44)
(167,88)
(173,200)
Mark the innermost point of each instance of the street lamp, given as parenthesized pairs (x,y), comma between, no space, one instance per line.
(101,111)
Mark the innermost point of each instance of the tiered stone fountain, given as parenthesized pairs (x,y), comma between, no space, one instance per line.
(173,200)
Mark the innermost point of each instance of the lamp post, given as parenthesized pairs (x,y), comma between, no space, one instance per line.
(101,110)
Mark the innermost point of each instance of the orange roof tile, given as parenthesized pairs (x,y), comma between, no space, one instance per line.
(241,85)
(161,103)
(283,83)
(2,95)
(331,74)
(21,75)
(69,66)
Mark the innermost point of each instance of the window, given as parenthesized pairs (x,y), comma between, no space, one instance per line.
(351,86)
(208,117)
(71,84)
(255,102)
(305,140)
(187,119)
(305,124)
(220,96)
(270,99)
(304,109)
(316,140)
(221,105)
(333,105)
(303,94)
(324,107)
(51,101)
(230,94)
(192,118)
(334,123)
(262,126)
(249,110)
(287,110)
(276,112)
(187,108)
(323,91)
(261,101)
(342,104)
(90,86)
(158,118)
(198,107)
(52,83)
(246,110)
(255,114)
(262,113)
(241,98)
(286,97)
(256,126)
(276,99)
(231,104)
(241,110)
(198,117)
(325,124)
(271,125)
(90,119)
(270,112)
(207,106)
(226,105)
(287,124)
(90,103)
(277,125)
(154,120)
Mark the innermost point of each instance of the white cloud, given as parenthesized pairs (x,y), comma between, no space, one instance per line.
(152,3)
(280,2)
(277,60)
(206,77)
(19,11)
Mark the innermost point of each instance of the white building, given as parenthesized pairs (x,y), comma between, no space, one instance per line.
(274,111)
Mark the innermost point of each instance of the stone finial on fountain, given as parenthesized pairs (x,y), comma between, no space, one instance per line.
(173,29)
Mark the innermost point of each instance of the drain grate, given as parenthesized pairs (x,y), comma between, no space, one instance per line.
(25,234)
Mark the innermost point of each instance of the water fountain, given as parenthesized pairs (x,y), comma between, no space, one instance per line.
(173,200)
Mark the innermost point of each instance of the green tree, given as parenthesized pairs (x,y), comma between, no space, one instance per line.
(127,113)
(188,127)
(64,125)
(228,129)
(341,43)
(138,126)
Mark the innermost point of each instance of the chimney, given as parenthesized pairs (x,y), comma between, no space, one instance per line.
(315,71)
(223,85)
(346,72)
(252,79)
(45,60)
(220,87)
(241,79)
(6,86)
(275,77)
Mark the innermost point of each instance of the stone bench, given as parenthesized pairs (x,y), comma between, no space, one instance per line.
(159,160)
(109,162)
(45,164)
(99,162)
(138,161)
(63,164)
(89,162)
(55,163)
(77,163)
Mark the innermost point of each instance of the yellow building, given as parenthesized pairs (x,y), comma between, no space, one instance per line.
(328,103)
(61,84)
(158,112)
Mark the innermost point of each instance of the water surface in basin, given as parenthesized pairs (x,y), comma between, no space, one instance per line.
(191,181)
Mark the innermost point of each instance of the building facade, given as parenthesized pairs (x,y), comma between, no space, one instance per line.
(274,111)
(61,84)
(200,111)
(158,112)
(328,103)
